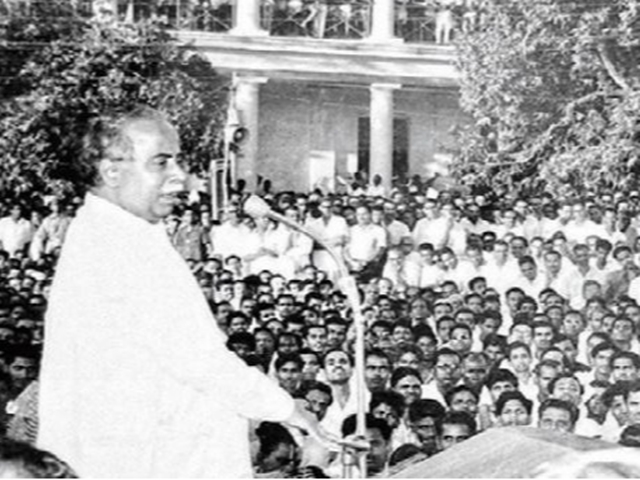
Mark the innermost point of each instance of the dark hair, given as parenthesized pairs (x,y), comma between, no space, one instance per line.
(282,360)
(635,359)
(574,413)
(31,462)
(349,425)
(329,352)
(105,137)
(271,435)
(448,397)
(311,385)
(616,390)
(513,395)
(244,338)
(388,397)
(427,407)
(401,372)
(501,375)
(555,380)
(460,418)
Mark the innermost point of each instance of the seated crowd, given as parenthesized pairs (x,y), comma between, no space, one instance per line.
(481,312)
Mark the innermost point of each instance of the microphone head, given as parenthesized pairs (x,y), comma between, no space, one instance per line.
(256,207)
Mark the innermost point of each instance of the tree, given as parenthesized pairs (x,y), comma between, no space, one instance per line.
(105,67)
(552,89)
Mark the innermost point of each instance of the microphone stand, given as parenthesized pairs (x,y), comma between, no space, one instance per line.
(257,207)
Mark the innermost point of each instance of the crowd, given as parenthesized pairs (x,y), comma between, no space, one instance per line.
(481,312)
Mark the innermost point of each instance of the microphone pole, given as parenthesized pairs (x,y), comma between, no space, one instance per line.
(257,207)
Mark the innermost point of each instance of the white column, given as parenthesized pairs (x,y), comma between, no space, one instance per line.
(381,145)
(247,101)
(247,18)
(383,17)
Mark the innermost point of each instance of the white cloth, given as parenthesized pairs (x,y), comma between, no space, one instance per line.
(136,380)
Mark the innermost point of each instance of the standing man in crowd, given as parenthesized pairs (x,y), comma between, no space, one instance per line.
(136,380)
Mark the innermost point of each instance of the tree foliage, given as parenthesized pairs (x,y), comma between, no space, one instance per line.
(553,91)
(104,67)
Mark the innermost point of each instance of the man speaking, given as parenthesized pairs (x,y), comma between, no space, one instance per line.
(136,380)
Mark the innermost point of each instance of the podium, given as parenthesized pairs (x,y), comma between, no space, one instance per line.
(510,452)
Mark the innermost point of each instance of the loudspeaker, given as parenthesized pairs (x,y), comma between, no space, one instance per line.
(510,452)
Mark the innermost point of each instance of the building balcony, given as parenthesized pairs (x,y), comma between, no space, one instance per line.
(415,21)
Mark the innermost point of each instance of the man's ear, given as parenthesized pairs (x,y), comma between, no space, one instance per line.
(110,171)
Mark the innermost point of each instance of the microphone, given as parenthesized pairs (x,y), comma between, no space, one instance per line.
(258,208)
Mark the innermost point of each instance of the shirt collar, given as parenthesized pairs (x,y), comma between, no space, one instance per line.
(104,208)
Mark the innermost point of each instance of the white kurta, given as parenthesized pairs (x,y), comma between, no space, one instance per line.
(136,380)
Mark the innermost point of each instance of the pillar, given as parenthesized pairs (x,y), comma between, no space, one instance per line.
(381,146)
(247,18)
(383,18)
(247,101)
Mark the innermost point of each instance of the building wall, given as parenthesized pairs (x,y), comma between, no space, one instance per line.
(297,118)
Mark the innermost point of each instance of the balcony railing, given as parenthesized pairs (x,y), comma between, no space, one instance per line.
(421,21)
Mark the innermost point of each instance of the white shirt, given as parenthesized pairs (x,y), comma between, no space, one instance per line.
(14,235)
(136,380)
(228,239)
(365,241)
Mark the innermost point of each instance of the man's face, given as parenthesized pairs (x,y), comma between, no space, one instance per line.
(441,310)
(514,413)
(602,362)
(410,388)
(620,410)
(521,333)
(285,307)
(288,344)
(557,419)
(428,346)
(567,389)
(337,367)
(464,401)
(623,369)
(447,371)
(402,335)
(547,373)
(499,387)
(318,402)
(622,330)
(378,451)
(513,299)
(148,183)
(265,343)
(247,306)
(542,336)
(363,216)
(633,406)
(23,371)
(454,433)
(495,354)
(475,373)
(529,271)
(573,325)
(336,335)
(317,339)
(237,324)
(289,376)
(310,366)
(376,373)
(553,263)
(444,330)
(425,430)
(518,248)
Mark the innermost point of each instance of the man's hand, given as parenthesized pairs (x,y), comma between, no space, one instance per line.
(307,422)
